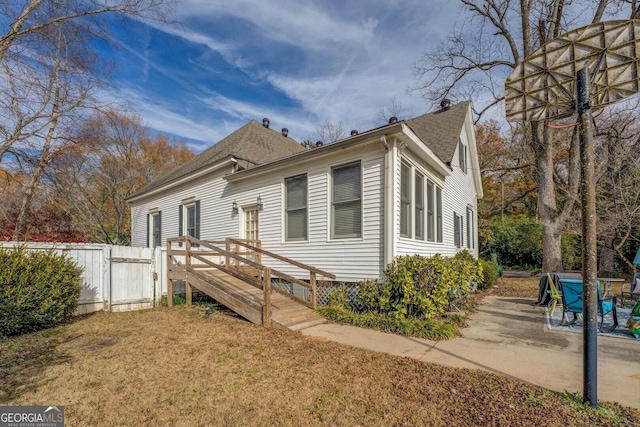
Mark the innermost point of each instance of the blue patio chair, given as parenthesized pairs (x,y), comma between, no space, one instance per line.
(630,290)
(572,299)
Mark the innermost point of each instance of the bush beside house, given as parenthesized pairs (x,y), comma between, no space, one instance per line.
(415,291)
(38,290)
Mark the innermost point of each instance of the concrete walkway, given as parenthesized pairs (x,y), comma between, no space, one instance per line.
(509,337)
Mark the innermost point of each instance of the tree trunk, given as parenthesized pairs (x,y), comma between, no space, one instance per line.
(551,222)
(606,253)
(20,233)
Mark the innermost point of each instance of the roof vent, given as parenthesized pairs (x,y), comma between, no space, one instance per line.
(354,132)
(265,122)
(319,144)
(285,132)
(393,120)
(445,104)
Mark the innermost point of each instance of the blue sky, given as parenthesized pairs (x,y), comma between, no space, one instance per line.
(299,63)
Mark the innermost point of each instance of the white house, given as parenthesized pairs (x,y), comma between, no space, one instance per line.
(348,207)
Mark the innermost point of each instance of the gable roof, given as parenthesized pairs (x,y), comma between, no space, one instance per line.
(440,130)
(252,142)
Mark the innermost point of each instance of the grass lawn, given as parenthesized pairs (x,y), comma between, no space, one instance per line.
(175,367)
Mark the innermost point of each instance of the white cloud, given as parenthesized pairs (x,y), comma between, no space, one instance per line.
(348,59)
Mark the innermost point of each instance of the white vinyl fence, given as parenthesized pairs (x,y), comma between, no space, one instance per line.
(115,278)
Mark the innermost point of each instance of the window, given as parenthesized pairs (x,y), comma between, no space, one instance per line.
(346,204)
(462,156)
(405,200)
(431,226)
(296,208)
(470,234)
(419,206)
(457,230)
(189,219)
(439,214)
(154,229)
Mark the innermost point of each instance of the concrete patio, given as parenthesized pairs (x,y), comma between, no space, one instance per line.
(509,337)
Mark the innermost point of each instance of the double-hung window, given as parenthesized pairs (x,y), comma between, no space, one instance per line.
(457,230)
(419,206)
(462,156)
(296,208)
(470,233)
(431,224)
(438,214)
(405,200)
(154,232)
(189,219)
(346,202)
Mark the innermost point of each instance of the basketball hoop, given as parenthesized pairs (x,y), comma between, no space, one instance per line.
(584,69)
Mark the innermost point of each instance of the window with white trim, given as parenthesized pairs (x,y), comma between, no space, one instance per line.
(431,223)
(457,230)
(295,216)
(470,228)
(419,206)
(462,156)
(405,200)
(346,201)
(439,233)
(154,231)
(189,219)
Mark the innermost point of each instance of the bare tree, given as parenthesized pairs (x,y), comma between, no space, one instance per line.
(393,108)
(25,18)
(617,140)
(59,71)
(114,156)
(331,132)
(476,58)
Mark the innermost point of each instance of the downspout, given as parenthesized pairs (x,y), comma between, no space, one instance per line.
(389,220)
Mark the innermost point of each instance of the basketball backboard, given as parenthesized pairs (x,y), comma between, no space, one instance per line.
(543,86)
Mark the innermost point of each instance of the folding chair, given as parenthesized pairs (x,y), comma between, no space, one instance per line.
(554,294)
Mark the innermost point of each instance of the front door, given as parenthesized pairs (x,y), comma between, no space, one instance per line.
(251,228)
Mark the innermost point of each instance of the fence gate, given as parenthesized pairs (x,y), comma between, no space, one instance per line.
(132,284)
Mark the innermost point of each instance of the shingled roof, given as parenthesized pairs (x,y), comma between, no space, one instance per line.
(252,142)
(440,130)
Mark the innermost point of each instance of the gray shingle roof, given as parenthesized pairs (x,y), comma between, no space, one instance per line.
(440,131)
(252,142)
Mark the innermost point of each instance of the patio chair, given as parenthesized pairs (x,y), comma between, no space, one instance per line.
(554,294)
(631,290)
(572,299)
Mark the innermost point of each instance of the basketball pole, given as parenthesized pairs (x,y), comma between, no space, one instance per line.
(589,244)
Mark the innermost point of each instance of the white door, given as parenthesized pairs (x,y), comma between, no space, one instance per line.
(251,224)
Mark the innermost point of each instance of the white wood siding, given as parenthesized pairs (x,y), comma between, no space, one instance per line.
(349,259)
(458,192)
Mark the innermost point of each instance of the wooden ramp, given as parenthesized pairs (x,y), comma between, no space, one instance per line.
(243,285)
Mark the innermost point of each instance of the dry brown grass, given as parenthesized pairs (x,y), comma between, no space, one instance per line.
(517,287)
(174,367)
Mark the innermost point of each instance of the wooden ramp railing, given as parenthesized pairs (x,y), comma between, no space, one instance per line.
(232,272)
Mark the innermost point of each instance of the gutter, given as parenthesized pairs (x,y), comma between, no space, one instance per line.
(186,178)
(315,153)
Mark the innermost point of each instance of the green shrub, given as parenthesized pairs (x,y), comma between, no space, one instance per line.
(419,328)
(418,287)
(178,299)
(490,274)
(38,290)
